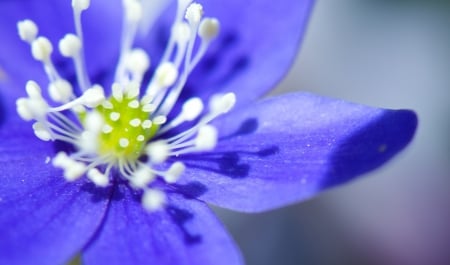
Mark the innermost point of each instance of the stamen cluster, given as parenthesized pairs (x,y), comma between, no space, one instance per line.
(112,132)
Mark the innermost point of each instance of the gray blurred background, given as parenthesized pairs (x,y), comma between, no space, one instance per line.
(387,53)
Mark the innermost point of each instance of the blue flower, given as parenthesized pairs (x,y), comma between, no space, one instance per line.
(128,155)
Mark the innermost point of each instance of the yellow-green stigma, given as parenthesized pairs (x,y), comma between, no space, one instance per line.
(126,128)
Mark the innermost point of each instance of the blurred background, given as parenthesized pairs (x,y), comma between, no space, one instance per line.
(386,53)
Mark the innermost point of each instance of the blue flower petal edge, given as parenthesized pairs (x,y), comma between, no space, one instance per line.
(288,148)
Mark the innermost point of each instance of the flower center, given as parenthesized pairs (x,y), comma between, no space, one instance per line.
(112,133)
(126,127)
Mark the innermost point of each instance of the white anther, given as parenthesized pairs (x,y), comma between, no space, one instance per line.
(80,5)
(134,104)
(209,28)
(74,170)
(133,10)
(140,138)
(132,90)
(33,89)
(27,30)
(94,122)
(135,122)
(166,74)
(142,177)
(88,142)
(153,200)
(149,108)
(114,116)
(181,32)
(41,131)
(107,129)
(34,107)
(124,142)
(117,92)
(97,177)
(70,45)
(38,107)
(61,160)
(23,110)
(107,104)
(194,13)
(93,96)
(147,124)
(206,138)
(192,108)
(174,172)
(60,90)
(158,151)
(79,109)
(138,61)
(222,103)
(41,49)
(159,120)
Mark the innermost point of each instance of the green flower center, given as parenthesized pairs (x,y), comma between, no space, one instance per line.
(126,128)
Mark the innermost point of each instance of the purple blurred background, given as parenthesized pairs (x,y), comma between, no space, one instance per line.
(393,54)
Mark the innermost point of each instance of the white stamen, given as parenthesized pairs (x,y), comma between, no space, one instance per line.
(117,92)
(142,177)
(206,138)
(33,89)
(93,96)
(132,90)
(80,5)
(138,61)
(88,142)
(181,32)
(60,90)
(192,108)
(70,45)
(166,74)
(60,160)
(41,49)
(160,120)
(97,177)
(194,13)
(158,151)
(93,122)
(222,103)
(41,131)
(153,200)
(140,138)
(209,28)
(74,171)
(27,30)
(174,172)
(107,104)
(149,108)
(23,110)
(133,10)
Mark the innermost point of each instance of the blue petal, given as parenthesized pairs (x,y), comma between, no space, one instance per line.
(101,25)
(43,219)
(259,41)
(257,44)
(185,233)
(289,148)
